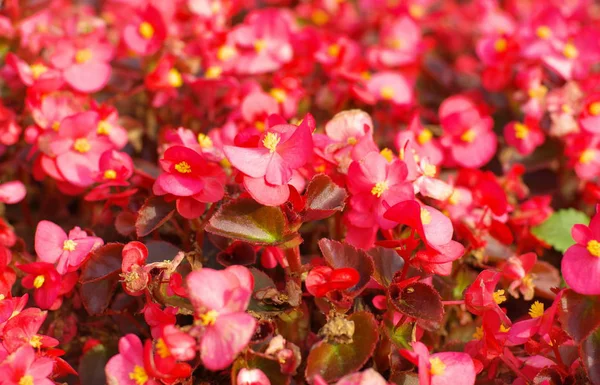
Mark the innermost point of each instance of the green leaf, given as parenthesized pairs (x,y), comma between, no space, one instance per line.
(401,335)
(579,314)
(334,360)
(247,220)
(556,230)
(590,355)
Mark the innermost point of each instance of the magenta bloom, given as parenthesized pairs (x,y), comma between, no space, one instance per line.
(146,32)
(86,67)
(252,377)
(220,299)
(373,181)
(23,367)
(127,367)
(45,280)
(447,368)
(469,136)
(53,245)
(268,165)
(525,137)
(366,377)
(191,178)
(581,263)
(78,148)
(12,192)
(390,86)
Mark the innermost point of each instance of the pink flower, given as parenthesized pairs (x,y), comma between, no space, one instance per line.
(580,265)
(190,178)
(447,368)
(263,40)
(220,299)
(78,148)
(37,75)
(127,367)
(85,66)
(252,377)
(540,323)
(45,280)
(12,192)
(422,141)
(468,134)
(109,126)
(373,181)
(390,86)
(366,377)
(480,297)
(23,367)
(269,162)
(53,245)
(525,137)
(115,168)
(399,43)
(517,270)
(146,31)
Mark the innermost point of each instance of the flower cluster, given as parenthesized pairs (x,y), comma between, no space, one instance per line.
(317,192)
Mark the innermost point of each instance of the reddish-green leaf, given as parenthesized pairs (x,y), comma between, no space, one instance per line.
(401,335)
(153,214)
(96,295)
(386,263)
(579,314)
(323,198)
(333,361)
(270,367)
(419,301)
(91,367)
(103,262)
(249,221)
(590,355)
(339,255)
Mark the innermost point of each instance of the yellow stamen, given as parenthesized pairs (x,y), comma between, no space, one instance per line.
(260,126)
(110,174)
(69,245)
(380,188)
(39,281)
(425,216)
(174,78)
(587,156)
(468,136)
(209,318)
(146,30)
(37,70)
(500,45)
(594,108)
(162,349)
(437,366)
(319,17)
(387,154)
(521,130)
(260,45)
(538,92)
(26,380)
(429,170)
(387,92)
(103,128)
(593,247)
(82,145)
(543,32)
(416,10)
(395,43)
(499,296)
(83,55)
(56,126)
(504,329)
(351,141)
(213,72)
(278,94)
(536,310)
(528,281)
(138,375)
(454,198)
(570,51)
(271,140)
(567,109)
(478,335)
(35,341)
(183,167)
(424,136)
(226,52)
(334,50)
(205,141)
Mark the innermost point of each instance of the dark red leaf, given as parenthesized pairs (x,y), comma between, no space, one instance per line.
(323,198)
(419,301)
(341,255)
(579,314)
(103,262)
(153,214)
